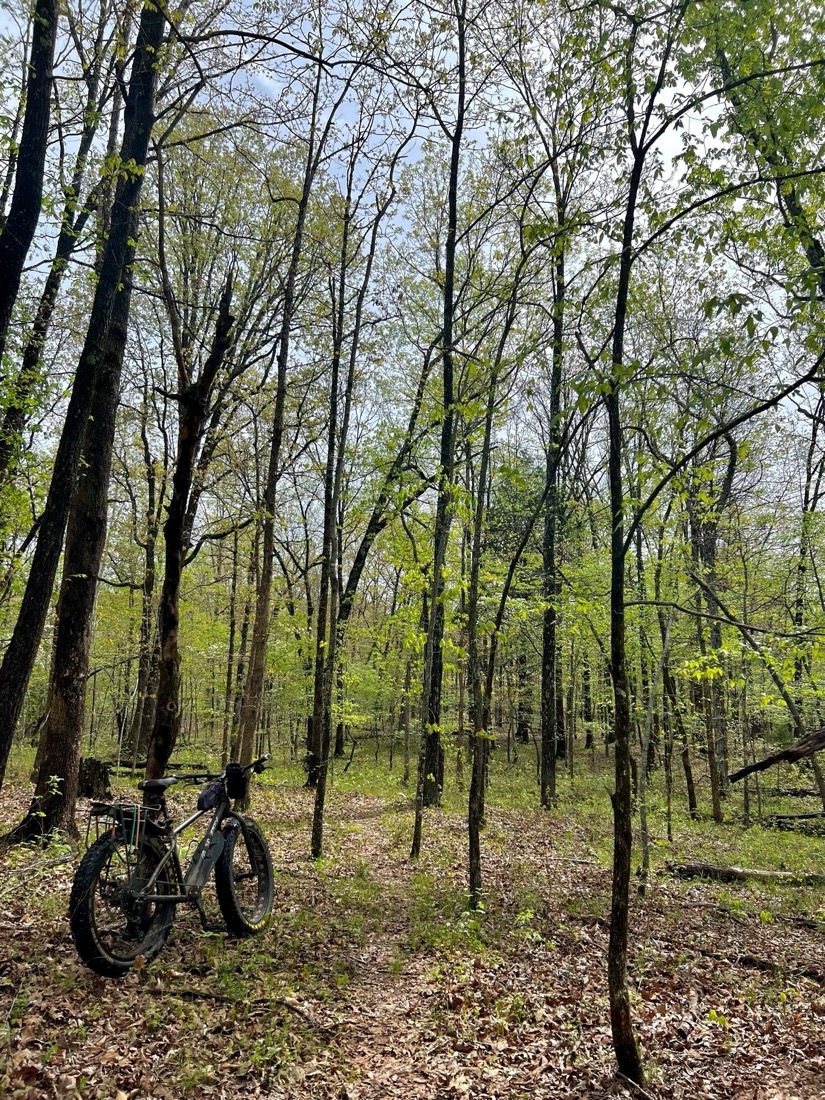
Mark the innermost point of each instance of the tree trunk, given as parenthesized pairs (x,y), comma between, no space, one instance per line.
(340,725)
(194,405)
(624,1040)
(684,741)
(55,794)
(524,713)
(73,220)
(710,737)
(479,707)
(137,738)
(112,298)
(550,678)
(322,684)
(20,225)
(321,704)
(587,705)
(430,763)
(260,632)
(230,656)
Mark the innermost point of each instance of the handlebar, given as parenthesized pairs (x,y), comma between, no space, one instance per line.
(203,777)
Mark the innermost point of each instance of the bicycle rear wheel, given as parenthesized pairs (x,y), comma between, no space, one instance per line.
(244,880)
(111,928)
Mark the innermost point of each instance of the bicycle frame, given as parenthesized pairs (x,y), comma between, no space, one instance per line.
(142,823)
(194,878)
(133,876)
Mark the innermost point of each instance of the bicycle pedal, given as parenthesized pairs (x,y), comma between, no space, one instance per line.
(214,926)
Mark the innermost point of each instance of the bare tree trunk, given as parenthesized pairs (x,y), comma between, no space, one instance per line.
(550,658)
(193,409)
(684,741)
(113,286)
(479,713)
(624,1040)
(431,754)
(324,654)
(260,632)
(19,227)
(340,725)
(55,794)
(337,439)
(710,738)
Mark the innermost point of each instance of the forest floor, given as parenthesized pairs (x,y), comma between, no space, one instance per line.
(374,982)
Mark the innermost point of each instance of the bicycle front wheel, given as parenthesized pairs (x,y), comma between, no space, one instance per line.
(113,923)
(244,880)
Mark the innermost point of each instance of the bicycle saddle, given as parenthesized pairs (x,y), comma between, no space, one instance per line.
(157,785)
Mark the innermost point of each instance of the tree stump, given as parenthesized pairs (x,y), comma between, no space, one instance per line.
(95,779)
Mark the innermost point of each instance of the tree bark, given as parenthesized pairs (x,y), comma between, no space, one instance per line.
(430,757)
(74,217)
(55,794)
(194,401)
(24,213)
(114,284)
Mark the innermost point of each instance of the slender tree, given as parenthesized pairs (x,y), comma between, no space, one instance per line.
(20,223)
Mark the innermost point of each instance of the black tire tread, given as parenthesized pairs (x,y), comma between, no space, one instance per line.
(81,917)
(238,921)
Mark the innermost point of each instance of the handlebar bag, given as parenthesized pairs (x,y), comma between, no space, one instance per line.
(210,796)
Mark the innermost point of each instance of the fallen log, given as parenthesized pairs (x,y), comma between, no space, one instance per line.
(774,818)
(789,792)
(767,966)
(804,824)
(742,874)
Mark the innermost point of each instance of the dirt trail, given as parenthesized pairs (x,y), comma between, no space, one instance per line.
(374,984)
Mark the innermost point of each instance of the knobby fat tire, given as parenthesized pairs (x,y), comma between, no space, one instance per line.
(244,879)
(100,903)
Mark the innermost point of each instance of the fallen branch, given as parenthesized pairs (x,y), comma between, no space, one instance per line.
(789,792)
(742,874)
(293,1006)
(204,994)
(805,746)
(767,966)
(771,818)
(191,994)
(631,1084)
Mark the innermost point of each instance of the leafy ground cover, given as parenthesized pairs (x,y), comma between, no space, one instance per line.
(375,982)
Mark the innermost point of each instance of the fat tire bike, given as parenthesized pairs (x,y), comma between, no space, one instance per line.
(131,879)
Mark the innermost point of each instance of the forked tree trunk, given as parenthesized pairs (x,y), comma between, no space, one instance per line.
(194,407)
